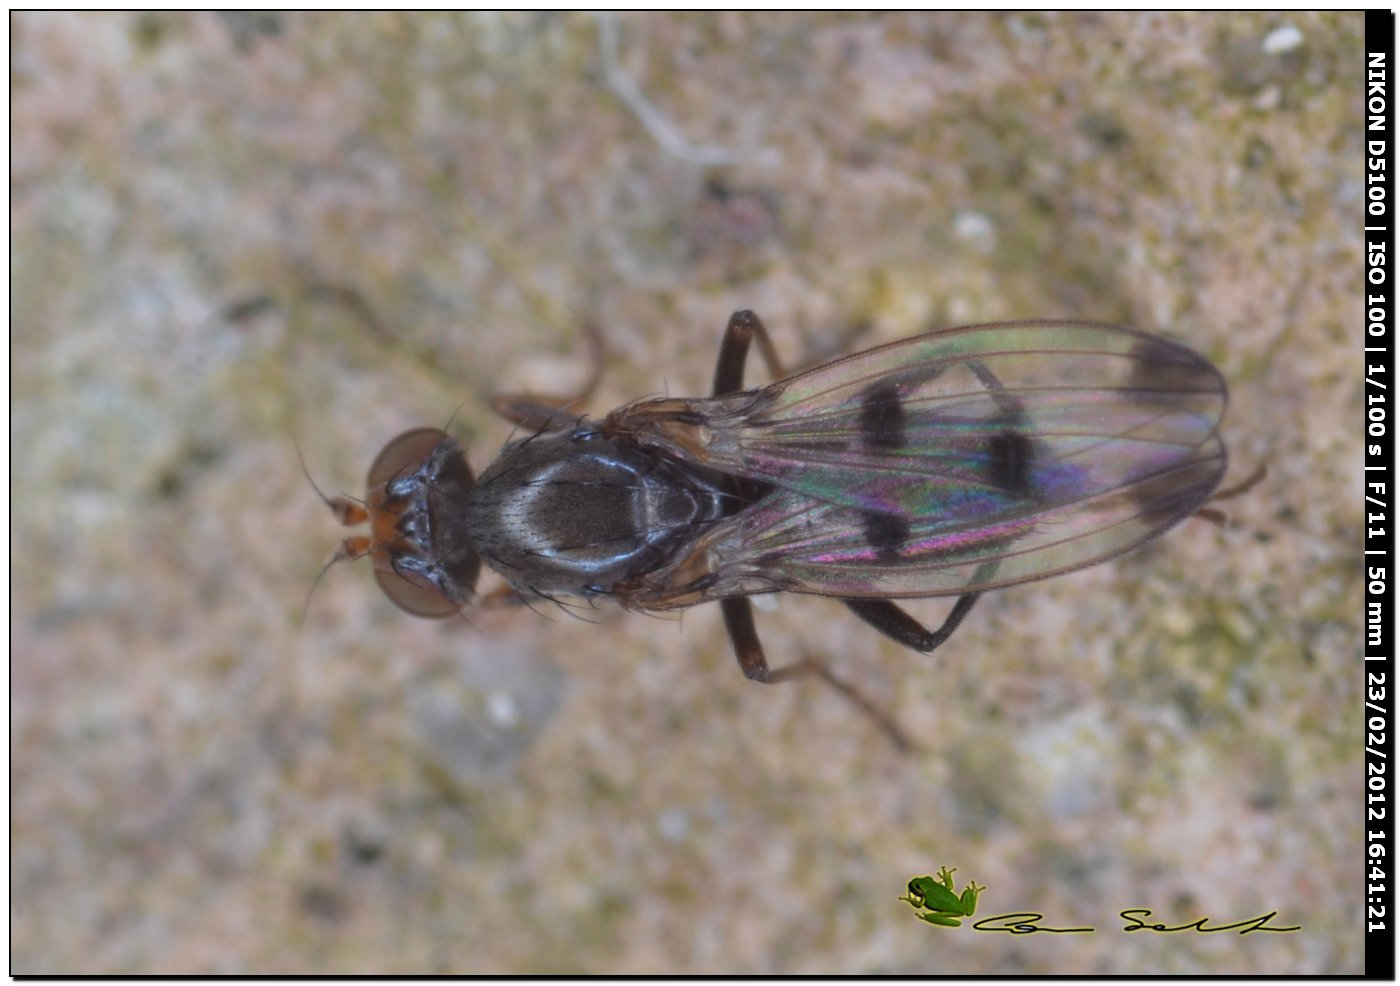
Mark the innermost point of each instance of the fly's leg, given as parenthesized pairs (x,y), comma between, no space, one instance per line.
(542,412)
(891,620)
(899,626)
(1011,409)
(738,619)
(742,329)
(888,617)
(1243,486)
(744,326)
(1218,517)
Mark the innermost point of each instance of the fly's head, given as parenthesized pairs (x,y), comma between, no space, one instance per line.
(416,492)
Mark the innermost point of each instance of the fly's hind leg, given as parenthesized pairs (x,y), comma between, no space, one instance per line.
(1219,517)
(738,619)
(1011,459)
(542,412)
(893,622)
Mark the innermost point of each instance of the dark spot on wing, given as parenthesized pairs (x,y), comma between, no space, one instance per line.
(1010,456)
(1162,499)
(1159,366)
(886,533)
(882,416)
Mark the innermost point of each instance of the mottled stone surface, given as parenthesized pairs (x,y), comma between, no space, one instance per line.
(230,230)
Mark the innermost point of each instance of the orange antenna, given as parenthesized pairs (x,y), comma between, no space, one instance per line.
(350,512)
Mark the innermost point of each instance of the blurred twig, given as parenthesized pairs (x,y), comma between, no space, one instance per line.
(662,130)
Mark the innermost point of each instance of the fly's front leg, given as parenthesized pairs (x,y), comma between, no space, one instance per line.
(738,619)
(542,412)
(743,328)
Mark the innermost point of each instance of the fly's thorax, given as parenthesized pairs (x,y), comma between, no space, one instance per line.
(578,512)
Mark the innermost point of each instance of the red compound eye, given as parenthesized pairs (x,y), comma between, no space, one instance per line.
(404,454)
(414,594)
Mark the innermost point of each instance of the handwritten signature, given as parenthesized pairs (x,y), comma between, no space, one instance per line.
(939,903)
(1028,923)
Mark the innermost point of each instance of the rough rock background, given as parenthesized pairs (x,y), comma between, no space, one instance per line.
(228,230)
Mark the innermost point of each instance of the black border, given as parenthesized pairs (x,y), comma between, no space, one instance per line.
(1378,417)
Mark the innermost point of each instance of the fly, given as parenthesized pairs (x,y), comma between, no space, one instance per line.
(947,464)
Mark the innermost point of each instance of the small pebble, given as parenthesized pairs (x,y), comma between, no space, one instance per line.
(674,824)
(975,229)
(1282,39)
(501,709)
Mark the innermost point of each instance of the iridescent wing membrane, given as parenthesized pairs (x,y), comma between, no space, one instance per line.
(963,460)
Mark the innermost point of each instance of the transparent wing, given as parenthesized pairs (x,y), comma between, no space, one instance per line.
(964,460)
